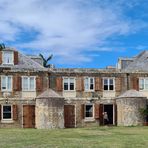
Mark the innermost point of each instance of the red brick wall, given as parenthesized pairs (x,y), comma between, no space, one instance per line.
(118,84)
(39,83)
(15,58)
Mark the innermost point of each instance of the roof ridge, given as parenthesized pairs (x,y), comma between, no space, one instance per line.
(140,54)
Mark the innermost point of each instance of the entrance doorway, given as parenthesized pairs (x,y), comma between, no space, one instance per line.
(69,116)
(109,109)
(28,116)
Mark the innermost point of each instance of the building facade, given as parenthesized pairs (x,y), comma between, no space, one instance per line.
(32,96)
(22,80)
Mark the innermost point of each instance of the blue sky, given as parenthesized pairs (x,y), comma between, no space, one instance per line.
(79,33)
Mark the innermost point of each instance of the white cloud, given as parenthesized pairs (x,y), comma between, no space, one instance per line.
(66,28)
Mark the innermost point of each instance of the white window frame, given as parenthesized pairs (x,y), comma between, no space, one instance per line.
(28,79)
(11,112)
(108,79)
(69,83)
(3,59)
(144,83)
(89,78)
(93,112)
(6,90)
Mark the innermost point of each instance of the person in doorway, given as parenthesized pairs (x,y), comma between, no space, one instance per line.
(105,117)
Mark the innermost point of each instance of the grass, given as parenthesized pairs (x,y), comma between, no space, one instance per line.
(95,137)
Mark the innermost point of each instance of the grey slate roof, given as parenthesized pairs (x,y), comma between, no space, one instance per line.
(37,59)
(131,94)
(49,93)
(25,63)
(139,64)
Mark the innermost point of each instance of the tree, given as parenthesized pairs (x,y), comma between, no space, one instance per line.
(143,111)
(45,61)
(2,46)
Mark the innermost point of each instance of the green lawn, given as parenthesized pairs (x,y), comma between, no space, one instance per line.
(96,137)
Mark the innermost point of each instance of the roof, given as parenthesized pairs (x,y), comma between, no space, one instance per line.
(83,70)
(24,63)
(131,94)
(139,64)
(49,93)
(37,59)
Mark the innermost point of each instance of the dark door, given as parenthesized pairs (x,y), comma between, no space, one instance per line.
(109,109)
(28,116)
(69,116)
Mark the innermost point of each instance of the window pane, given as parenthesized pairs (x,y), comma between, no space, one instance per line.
(111,81)
(91,86)
(8,57)
(65,86)
(146,84)
(91,80)
(86,84)
(7,109)
(91,83)
(71,80)
(6,115)
(3,83)
(25,83)
(65,80)
(141,84)
(6,112)
(71,86)
(105,87)
(9,83)
(105,81)
(32,87)
(89,111)
(65,83)
(5,59)
(71,83)
(111,87)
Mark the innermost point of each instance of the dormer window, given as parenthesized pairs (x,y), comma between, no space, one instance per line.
(8,57)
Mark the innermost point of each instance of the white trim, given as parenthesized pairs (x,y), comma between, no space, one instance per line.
(108,78)
(3,61)
(89,90)
(69,84)
(28,81)
(8,90)
(114,114)
(7,120)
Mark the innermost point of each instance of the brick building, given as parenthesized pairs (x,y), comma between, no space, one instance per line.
(34,96)
(22,80)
